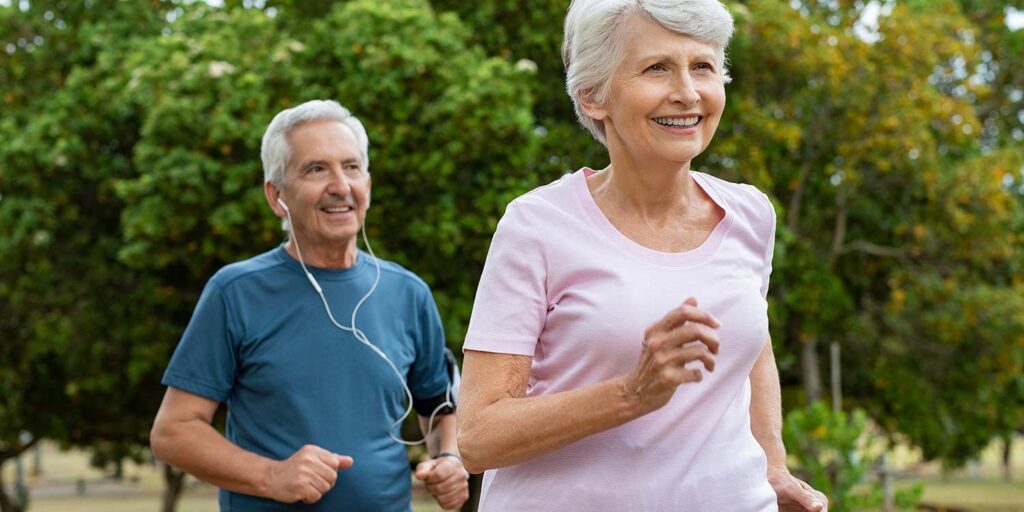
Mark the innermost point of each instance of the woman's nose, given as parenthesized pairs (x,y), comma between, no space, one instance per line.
(684,90)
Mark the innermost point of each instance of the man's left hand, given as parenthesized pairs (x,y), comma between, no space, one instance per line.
(446,480)
(795,495)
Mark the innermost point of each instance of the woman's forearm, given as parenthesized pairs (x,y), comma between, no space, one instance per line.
(766,407)
(514,429)
(499,426)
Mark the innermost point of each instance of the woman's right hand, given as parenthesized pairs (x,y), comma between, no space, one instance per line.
(684,334)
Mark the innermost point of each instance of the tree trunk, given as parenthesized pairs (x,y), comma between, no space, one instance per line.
(7,504)
(174,481)
(1007,448)
(37,461)
(5,500)
(811,369)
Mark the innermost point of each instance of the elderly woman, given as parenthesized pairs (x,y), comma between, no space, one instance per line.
(618,355)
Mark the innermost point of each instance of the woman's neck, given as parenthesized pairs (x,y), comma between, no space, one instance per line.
(650,193)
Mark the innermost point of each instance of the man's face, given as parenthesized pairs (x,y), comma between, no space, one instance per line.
(327,187)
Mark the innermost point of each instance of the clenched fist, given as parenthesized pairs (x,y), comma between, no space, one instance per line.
(307,475)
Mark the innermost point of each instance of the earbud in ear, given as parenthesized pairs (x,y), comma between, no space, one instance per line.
(281,202)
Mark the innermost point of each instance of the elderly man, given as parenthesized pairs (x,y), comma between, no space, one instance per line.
(314,346)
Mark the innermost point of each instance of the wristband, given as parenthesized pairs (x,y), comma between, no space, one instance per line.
(449,454)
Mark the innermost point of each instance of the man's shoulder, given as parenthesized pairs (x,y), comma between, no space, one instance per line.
(236,272)
(403,276)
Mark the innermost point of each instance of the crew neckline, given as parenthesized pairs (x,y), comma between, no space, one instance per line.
(691,257)
(329,274)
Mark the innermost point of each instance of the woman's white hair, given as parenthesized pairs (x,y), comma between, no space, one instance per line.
(276,152)
(592,48)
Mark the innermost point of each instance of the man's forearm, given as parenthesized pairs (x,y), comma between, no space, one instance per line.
(442,437)
(198,449)
(766,407)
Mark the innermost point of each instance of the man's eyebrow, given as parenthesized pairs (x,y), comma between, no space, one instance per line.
(310,163)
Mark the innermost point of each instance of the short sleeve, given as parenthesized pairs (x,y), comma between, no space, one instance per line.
(428,376)
(511,299)
(205,362)
(770,247)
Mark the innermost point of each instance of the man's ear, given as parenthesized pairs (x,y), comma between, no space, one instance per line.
(273,194)
(369,189)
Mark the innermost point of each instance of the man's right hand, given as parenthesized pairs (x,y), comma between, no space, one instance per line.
(307,475)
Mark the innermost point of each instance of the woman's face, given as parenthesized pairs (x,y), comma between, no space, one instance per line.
(665,98)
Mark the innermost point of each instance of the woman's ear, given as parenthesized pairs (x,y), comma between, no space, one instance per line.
(590,107)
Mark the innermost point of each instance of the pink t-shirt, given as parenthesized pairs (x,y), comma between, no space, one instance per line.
(562,285)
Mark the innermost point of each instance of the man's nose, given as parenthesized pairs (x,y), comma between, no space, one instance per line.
(339,184)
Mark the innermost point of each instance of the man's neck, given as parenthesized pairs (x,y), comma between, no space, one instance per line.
(332,257)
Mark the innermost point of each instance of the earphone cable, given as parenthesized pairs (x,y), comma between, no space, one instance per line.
(362,338)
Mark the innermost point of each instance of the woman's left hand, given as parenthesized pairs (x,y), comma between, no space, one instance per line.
(795,495)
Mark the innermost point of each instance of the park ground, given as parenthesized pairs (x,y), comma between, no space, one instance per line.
(68,484)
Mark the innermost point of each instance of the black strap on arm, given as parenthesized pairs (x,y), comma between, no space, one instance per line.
(425,407)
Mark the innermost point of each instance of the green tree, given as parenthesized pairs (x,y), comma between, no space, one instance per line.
(869,141)
(433,106)
(56,221)
(132,172)
(530,34)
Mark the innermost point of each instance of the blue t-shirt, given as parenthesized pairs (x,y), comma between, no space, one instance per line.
(261,342)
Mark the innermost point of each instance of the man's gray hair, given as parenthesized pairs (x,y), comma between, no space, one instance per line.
(592,47)
(276,152)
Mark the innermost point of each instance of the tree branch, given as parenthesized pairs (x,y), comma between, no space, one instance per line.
(839,235)
(18,450)
(795,201)
(874,249)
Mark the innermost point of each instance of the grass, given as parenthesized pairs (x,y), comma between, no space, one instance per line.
(57,490)
(978,488)
(980,495)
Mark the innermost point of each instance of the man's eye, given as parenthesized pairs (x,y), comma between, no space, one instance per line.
(706,66)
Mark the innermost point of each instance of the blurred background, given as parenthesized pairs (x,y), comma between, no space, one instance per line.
(889,134)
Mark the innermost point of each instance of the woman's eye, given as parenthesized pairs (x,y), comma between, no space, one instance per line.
(656,68)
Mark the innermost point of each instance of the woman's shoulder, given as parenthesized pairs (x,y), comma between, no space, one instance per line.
(743,199)
(553,192)
(542,213)
(546,199)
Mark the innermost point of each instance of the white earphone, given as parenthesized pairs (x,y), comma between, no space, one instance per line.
(361,336)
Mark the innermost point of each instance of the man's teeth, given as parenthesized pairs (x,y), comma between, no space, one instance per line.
(338,209)
(677,121)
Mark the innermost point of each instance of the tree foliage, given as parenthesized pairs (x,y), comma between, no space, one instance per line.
(130,171)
